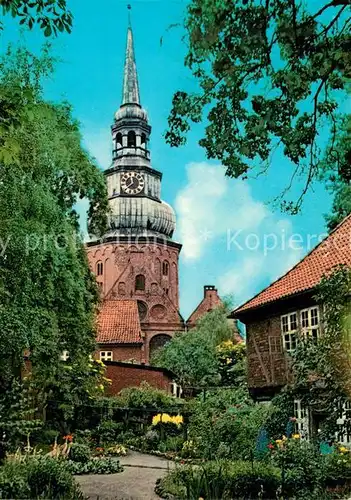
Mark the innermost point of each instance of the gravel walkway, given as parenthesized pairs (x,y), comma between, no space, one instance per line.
(136,482)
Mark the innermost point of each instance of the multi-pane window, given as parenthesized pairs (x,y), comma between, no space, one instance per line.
(302,419)
(310,323)
(289,331)
(344,423)
(275,345)
(106,356)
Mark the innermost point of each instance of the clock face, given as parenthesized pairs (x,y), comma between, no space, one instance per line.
(132,182)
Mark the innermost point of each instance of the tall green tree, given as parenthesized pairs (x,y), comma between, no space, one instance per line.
(269,74)
(48,295)
(336,171)
(192,355)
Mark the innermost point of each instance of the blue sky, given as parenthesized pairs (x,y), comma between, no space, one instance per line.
(210,208)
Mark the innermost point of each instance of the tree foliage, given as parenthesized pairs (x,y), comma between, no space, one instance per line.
(193,355)
(336,170)
(48,295)
(52,16)
(269,74)
(225,423)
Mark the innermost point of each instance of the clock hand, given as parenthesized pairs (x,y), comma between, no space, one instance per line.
(129,181)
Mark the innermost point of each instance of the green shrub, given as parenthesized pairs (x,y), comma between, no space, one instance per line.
(171,443)
(51,478)
(337,470)
(135,441)
(302,466)
(222,479)
(108,432)
(83,436)
(226,424)
(44,436)
(96,466)
(13,481)
(79,453)
(258,481)
(36,477)
(146,396)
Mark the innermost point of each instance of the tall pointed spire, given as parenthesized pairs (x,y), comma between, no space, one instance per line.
(130,81)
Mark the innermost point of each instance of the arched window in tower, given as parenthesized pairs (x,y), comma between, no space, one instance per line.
(118,140)
(99,269)
(131,139)
(165,268)
(140,282)
(143,141)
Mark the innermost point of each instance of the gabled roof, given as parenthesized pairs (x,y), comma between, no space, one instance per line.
(210,301)
(305,275)
(118,322)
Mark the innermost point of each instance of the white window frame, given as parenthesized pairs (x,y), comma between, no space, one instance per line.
(310,330)
(289,334)
(106,355)
(343,435)
(275,344)
(64,355)
(302,422)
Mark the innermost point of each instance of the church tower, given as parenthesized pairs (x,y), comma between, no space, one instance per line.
(137,260)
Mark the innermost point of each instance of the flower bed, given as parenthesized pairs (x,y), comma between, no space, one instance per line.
(221,479)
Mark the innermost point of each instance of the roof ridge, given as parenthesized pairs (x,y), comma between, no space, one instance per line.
(293,267)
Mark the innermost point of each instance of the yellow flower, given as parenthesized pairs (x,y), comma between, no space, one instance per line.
(296,436)
(165,418)
(343,449)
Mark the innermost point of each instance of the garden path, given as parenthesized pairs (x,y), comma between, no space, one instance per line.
(136,482)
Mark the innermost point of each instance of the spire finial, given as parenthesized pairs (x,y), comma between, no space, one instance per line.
(130,81)
(129,7)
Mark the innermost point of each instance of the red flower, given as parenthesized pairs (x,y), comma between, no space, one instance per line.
(68,438)
(270,446)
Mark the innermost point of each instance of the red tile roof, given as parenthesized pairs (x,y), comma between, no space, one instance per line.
(210,301)
(118,322)
(304,276)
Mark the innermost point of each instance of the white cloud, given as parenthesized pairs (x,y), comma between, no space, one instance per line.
(209,205)
(211,210)
(239,279)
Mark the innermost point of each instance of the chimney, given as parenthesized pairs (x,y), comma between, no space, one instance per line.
(210,291)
